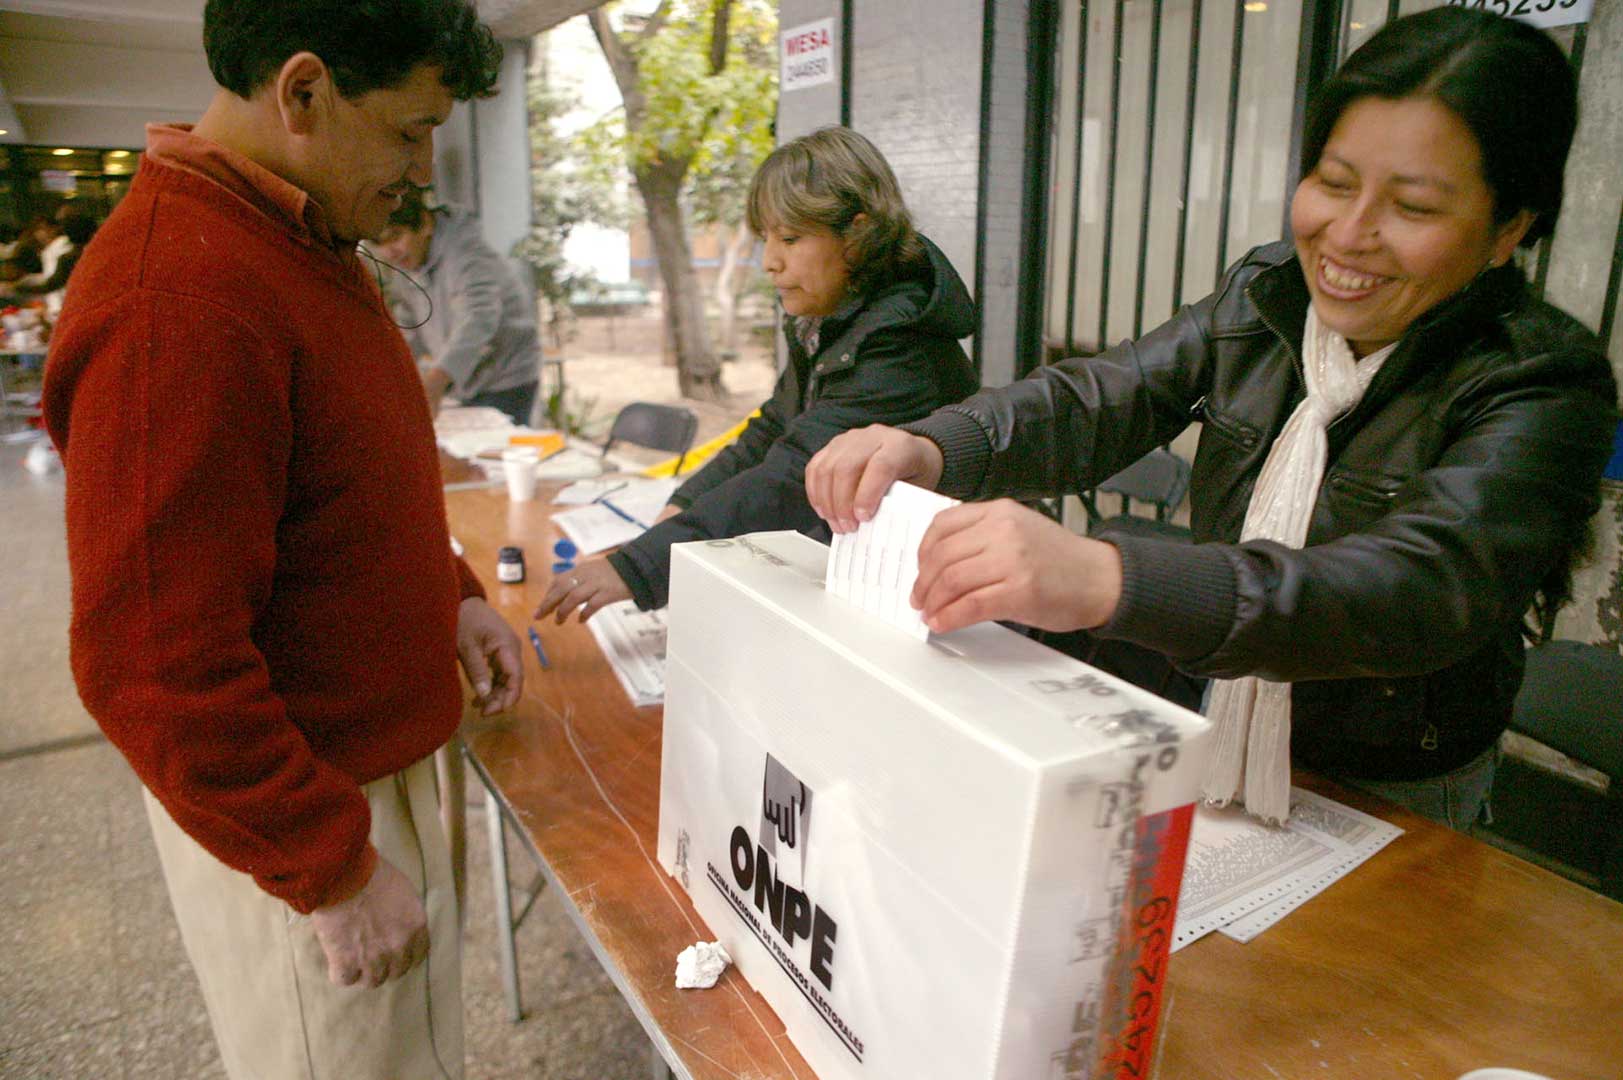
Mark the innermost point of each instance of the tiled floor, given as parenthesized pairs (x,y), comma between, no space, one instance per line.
(93,982)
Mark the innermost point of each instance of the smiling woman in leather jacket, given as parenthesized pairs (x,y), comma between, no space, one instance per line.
(873,313)
(1400,445)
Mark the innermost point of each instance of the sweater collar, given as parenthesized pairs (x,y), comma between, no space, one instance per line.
(179,147)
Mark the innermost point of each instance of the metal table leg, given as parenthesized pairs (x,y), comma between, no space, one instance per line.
(505,927)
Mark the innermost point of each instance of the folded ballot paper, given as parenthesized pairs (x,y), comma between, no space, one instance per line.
(876,566)
(953,858)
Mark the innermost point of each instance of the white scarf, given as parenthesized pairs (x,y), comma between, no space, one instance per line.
(1252,716)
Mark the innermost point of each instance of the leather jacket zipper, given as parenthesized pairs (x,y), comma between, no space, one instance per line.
(1296,359)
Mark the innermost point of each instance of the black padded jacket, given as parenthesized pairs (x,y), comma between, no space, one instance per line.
(886,358)
(1453,489)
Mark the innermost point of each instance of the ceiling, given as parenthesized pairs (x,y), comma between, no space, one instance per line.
(93,73)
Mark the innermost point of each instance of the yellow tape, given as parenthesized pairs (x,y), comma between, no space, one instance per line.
(701,453)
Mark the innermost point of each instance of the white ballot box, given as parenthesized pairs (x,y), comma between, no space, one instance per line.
(944,859)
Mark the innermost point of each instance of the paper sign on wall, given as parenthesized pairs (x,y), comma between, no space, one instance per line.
(1544,13)
(807,55)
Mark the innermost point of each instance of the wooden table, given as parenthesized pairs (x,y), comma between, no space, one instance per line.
(1439,955)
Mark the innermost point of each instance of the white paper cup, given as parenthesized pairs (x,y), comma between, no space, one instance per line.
(519,467)
(1502,1074)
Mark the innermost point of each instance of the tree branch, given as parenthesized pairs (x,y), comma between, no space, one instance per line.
(621,62)
(720,25)
(655,21)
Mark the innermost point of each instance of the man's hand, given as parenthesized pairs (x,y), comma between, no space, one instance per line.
(490,655)
(670,511)
(1001,560)
(436,381)
(376,935)
(593,584)
(847,478)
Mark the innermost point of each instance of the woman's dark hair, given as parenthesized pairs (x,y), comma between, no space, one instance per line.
(366,44)
(824,180)
(1508,82)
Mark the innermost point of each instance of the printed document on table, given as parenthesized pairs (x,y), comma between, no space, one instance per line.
(615,516)
(634,643)
(876,566)
(1242,876)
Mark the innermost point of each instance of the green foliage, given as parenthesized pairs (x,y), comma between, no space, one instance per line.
(719,124)
(571,413)
(567,188)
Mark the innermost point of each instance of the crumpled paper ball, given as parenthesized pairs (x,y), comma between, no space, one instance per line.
(699,965)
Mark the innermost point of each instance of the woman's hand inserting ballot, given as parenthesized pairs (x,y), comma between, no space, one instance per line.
(1001,560)
(847,478)
(586,588)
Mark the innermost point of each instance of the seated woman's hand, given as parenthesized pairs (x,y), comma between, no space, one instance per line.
(592,585)
(1001,560)
(848,477)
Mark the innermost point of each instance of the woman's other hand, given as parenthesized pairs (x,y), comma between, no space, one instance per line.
(1001,560)
(592,585)
(848,477)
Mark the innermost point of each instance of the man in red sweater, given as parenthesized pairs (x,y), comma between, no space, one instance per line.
(266,610)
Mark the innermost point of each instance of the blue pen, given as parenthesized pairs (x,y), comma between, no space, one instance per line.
(621,513)
(540,653)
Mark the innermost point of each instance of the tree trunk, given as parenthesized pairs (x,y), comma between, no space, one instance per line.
(698,369)
(733,254)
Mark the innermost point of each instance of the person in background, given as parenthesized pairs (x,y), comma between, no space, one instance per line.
(873,313)
(470,319)
(77,226)
(267,616)
(21,257)
(1400,445)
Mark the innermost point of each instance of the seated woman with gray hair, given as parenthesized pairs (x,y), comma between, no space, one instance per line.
(1400,444)
(873,313)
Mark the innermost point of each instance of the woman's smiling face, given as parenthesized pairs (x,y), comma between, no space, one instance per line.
(1395,218)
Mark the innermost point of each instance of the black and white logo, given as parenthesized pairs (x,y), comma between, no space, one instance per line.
(785,813)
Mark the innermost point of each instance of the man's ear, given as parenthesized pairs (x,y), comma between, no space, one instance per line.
(303,90)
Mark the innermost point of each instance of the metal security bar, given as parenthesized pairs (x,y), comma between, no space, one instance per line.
(1165,158)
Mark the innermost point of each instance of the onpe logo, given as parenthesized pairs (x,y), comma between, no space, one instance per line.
(785,811)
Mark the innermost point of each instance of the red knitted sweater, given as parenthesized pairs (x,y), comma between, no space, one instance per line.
(264,596)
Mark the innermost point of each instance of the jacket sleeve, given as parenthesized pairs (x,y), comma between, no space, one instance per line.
(176,481)
(745,452)
(1068,425)
(893,380)
(1459,554)
(476,308)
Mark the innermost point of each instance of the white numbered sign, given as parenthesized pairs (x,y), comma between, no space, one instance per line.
(1545,13)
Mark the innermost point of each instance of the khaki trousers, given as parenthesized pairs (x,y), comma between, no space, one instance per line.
(264,975)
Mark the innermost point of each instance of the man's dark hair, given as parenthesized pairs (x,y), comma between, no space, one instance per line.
(77,224)
(366,44)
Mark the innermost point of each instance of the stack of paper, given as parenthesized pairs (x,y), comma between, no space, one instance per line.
(876,566)
(634,642)
(621,511)
(1242,876)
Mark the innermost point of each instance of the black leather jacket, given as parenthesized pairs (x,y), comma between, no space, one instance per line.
(1453,489)
(885,358)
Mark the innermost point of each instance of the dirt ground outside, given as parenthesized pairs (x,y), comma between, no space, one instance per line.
(611,361)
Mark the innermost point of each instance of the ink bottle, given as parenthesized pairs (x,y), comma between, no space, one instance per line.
(510,565)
